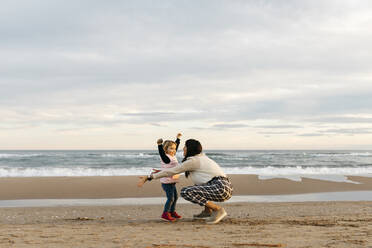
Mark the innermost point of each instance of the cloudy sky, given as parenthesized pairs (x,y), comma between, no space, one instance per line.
(92,74)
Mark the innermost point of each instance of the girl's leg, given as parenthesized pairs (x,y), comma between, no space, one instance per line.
(170,196)
(175,198)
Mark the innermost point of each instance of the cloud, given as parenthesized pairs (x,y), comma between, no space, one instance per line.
(229,65)
(311,134)
(338,131)
(157,125)
(116,43)
(145,114)
(278,126)
(341,119)
(228,126)
(348,131)
(275,133)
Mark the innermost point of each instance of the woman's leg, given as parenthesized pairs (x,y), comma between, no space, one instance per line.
(210,205)
(217,190)
(207,209)
(170,196)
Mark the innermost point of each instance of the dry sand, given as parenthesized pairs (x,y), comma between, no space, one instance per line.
(300,225)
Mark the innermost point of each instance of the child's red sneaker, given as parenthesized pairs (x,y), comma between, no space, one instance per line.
(167,216)
(175,215)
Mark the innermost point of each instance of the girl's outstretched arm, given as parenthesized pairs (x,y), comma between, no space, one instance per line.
(162,152)
(178,140)
(141,181)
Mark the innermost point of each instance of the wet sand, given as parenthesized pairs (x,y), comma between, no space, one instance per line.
(125,186)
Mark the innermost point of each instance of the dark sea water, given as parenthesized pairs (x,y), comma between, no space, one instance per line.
(292,164)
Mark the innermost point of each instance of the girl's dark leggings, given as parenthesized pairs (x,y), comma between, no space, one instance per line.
(172,196)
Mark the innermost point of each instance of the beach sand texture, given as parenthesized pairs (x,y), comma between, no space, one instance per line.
(300,225)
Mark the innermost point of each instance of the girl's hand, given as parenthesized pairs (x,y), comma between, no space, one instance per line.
(155,171)
(160,141)
(141,181)
(179,135)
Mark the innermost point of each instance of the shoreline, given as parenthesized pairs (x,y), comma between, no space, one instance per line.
(125,187)
(349,196)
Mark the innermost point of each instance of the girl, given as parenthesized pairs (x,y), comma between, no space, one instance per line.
(167,152)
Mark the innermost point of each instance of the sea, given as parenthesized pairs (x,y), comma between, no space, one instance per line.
(332,165)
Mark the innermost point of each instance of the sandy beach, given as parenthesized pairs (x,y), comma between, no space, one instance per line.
(291,224)
(300,225)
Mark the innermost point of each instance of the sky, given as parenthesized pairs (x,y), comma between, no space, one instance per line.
(92,74)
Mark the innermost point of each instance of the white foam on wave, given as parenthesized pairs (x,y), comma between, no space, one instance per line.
(297,173)
(71,172)
(17,155)
(354,154)
(118,155)
(292,173)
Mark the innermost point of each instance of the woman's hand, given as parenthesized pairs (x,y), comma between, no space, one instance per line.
(159,141)
(141,181)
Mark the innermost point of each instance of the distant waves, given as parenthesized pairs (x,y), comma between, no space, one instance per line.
(332,165)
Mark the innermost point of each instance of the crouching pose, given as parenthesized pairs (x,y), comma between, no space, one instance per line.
(211,183)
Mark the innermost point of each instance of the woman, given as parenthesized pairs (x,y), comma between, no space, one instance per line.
(211,183)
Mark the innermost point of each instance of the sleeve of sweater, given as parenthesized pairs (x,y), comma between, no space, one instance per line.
(162,154)
(189,165)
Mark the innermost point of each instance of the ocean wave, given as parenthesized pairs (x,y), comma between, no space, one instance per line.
(218,154)
(16,155)
(71,172)
(352,154)
(131,156)
(268,171)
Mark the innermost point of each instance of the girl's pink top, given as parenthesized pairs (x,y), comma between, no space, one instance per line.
(173,163)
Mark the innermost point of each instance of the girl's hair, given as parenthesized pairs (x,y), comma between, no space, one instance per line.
(193,147)
(167,144)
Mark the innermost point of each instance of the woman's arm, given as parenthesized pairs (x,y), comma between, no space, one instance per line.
(188,165)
